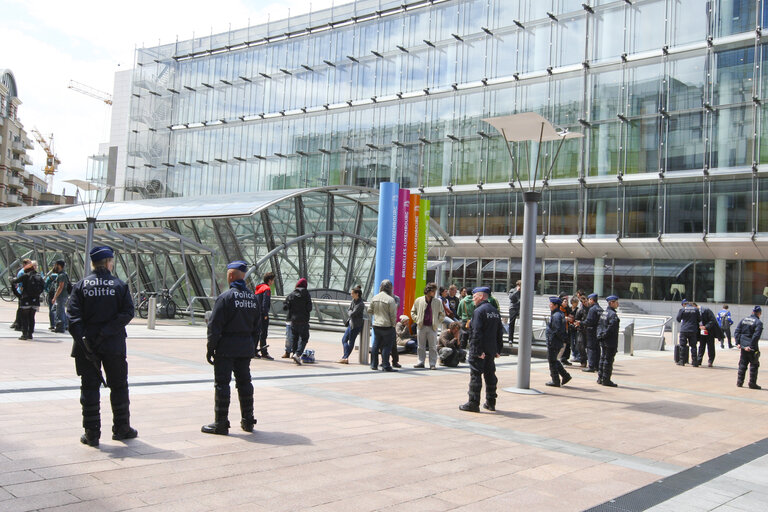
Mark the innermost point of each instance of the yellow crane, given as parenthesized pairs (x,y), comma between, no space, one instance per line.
(51,160)
(90,91)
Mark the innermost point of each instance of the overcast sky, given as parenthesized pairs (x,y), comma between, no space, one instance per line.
(47,43)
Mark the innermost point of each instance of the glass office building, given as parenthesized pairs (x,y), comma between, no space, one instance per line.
(665,196)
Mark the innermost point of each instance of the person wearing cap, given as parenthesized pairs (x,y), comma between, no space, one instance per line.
(61,295)
(428,313)
(234,325)
(556,337)
(383,309)
(298,304)
(485,343)
(28,293)
(689,318)
(590,329)
(354,323)
(99,308)
(747,336)
(263,294)
(608,336)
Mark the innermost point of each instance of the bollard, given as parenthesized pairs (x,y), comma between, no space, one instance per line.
(151,312)
(365,341)
(629,334)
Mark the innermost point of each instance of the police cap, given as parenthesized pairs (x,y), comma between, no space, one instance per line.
(611,298)
(238,265)
(555,300)
(101,253)
(757,309)
(592,296)
(482,289)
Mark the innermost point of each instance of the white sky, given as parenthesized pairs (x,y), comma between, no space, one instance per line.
(47,43)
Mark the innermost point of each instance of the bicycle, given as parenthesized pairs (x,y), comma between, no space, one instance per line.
(166,306)
(6,293)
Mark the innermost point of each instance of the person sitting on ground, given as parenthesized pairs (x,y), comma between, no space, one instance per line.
(404,336)
(449,349)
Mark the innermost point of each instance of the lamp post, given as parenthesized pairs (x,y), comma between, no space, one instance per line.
(91,207)
(528,127)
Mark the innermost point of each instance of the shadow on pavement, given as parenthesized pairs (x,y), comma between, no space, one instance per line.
(138,448)
(519,415)
(672,409)
(273,438)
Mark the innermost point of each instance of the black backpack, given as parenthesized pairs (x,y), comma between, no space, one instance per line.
(36,285)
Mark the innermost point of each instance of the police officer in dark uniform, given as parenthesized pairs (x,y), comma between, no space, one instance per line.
(608,336)
(747,336)
(485,344)
(590,326)
(99,308)
(556,336)
(234,325)
(690,317)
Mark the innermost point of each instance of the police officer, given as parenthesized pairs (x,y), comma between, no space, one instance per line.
(485,344)
(690,318)
(234,326)
(747,336)
(709,330)
(556,336)
(608,336)
(99,308)
(590,326)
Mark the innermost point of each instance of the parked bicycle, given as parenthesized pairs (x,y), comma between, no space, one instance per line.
(6,293)
(166,306)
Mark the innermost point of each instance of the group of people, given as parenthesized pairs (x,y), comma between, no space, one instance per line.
(28,286)
(700,327)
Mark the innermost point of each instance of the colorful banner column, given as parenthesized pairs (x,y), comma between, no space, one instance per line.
(410,264)
(401,246)
(421,253)
(386,234)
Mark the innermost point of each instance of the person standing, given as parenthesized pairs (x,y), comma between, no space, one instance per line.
(99,308)
(16,325)
(32,286)
(234,326)
(514,309)
(556,337)
(747,338)
(689,318)
(428,313)
(485,344)
(298,304)
(263,294)
(590,329)
(608,336)
(581,330)
(453,300)
(60,296)
(465,312)
(355,314)
(708,331)
(383,308)
(50,289)
(725,321)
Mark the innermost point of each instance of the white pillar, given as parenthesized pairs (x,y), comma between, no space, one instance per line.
(721,226)
(599,272)
(719,295)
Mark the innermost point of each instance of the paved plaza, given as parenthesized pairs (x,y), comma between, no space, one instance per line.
(336,437)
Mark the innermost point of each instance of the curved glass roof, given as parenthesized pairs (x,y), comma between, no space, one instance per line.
(15,214)
(220,206)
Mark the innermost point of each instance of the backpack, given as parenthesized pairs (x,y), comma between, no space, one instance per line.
(69,283)
(35,286)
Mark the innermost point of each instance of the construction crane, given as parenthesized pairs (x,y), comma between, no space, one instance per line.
(51,160)
(90,91)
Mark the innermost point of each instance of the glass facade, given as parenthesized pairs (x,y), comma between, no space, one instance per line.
(671,97)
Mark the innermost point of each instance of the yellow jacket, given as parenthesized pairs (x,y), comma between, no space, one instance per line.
(420,306)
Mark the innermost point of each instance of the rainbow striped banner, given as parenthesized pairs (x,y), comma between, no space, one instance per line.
(401,247)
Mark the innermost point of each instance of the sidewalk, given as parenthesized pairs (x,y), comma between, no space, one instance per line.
(336,437)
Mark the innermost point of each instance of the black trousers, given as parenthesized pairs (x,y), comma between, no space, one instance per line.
(223,368)
(686,340)
(748,358)
(727,334)
(512,320)
(299,338)
(27,320)
(383,341)
(261,342)
(116,374)
(480,369)
(708,343)
(556,369)
(593,352)
(607,354)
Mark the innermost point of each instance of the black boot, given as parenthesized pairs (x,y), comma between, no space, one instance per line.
(490,404)
(566,379)
(555,382)
(470,407)
(122,432)
(90,437)
(221,412)
(246,412)
(247,424)
(265,354)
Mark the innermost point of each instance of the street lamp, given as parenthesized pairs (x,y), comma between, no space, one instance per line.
(528,127)
(91,207)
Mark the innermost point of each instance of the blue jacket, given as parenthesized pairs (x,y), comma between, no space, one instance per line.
(608,327)
(690,318)
(99,308)
(724,319)
(487,335)
(556,328)
(748,332)
(235,322)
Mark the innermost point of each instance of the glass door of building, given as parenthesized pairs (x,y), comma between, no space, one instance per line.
(557,276)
